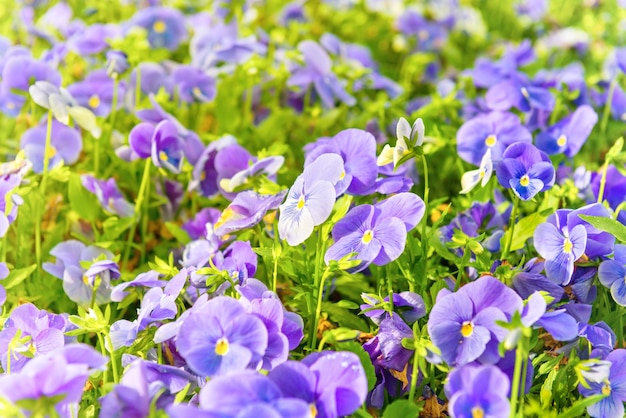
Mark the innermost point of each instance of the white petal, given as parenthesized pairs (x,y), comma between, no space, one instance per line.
(469,180)
(403,129)
(417,132)
(386,156)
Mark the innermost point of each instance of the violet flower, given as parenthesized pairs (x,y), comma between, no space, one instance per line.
(317,71)
(376,233)
(357,148)
(109,195)
(162,143)
(96,92)
(59,375)
(478,391)
(205,174)
(219,338)
(117,63)
(245,211)
(614,388)
(80,283)
(569,134)
(520,93)
(18,73)
(65,147)
(612,274)
(193,84)
(332,383)
(310,199)
(166,26)
(463,324)
(409,305)
(526,170)
(494,131)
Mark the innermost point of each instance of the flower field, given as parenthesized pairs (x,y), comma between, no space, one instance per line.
(316,208)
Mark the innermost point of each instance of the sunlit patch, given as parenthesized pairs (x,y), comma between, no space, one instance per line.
(222,347)
(567,246)
(491,140)
(159,26)
(300,202)
(561,141)
(467,329)
(524,181)
(94,101)
(478,412)
(368,236)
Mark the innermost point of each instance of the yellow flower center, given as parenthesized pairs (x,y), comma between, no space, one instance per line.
(313,410)
(342,175)
(491,140)
(300,202)
(524,92)
(561,141)
(567,246)
(368,236)
(32,349)
(85,279)
(235,275)
(51,152)
(162,156)
(423,35)
(159,26)
(11,105)
(524,181)
(467,329)
(606,389)
(478,412)
(481,173)
(225,216)
(94,101)
(222,347)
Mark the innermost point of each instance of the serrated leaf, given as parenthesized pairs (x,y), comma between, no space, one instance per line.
(402,408)
(366,362)
(609,225)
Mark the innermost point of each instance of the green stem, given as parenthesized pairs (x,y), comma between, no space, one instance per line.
(275,254)
(144,181)
(516,380)
(116,376)
(318,310)
(318,284)
(44,178)
(523,384)
(509,242)
(414,376)
(607,106)
(390,289)
(103,350)
(603,182)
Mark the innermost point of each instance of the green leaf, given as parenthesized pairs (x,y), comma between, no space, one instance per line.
(114,227)
(615,149)
(524,230)
(578,408)
(347,304)
(402,408)
(81,200)
(368,367)
(609,225)
(179,233)
(17,276)
(344,317)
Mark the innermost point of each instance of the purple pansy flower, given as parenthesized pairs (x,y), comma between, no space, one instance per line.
(494,131)
(96,92)
(310,200)
(525,170)
(463,324)
(332,383)
(160,142)
(93,38)
(569,134)
(61,374)
(108,195)
(520,93)
(79,283)
(409,305)
(245,211)
(41,331)
(357,148)
(65,147)
(612,274)
(205,174)
(166,26)
(478,391)
(376,233)
(117,63)
(614,388)
(317,71)
(193,84)
(219,337)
